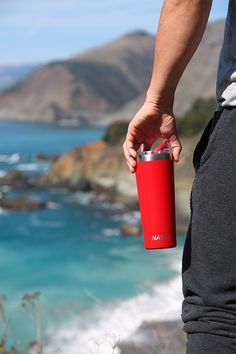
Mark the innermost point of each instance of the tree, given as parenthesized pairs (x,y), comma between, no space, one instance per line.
(115,132)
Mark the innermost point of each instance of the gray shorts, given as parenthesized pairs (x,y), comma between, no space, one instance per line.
(209,255)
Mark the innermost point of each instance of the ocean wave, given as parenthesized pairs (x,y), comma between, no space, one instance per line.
(92,197)
(30,167)
(53,205)
(2,173)
(5,189)
(118,320)
(82,198)
(4,212)
(10,158)
(37,222)
(129,217)
(111,232)
(112,205)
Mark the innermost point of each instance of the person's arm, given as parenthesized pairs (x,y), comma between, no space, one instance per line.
(180,29)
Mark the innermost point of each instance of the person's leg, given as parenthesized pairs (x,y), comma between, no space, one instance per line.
(205,343)
(209,256)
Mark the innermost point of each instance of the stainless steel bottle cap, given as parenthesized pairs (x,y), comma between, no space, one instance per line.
(147,155)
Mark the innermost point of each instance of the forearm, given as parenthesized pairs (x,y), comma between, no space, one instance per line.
(180,30)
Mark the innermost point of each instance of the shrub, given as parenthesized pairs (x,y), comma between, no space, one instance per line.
(194,120)
(115,132)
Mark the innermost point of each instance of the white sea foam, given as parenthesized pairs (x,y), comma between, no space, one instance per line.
(2,173)
(37,222)
(111,232)
(112,205)
(117,320)
(5,189)
(28,167)
(10,158)
(86,198)
(4,211)
(53,205)
(82,198)
(128,216)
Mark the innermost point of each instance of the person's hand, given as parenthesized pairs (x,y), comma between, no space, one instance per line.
(150,123)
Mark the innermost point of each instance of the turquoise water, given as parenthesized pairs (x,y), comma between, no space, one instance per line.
(72,252)
(34,138)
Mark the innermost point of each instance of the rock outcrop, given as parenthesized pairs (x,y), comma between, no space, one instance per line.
(156,338)
(16,180)
(130,230)
(21,203)
(100,167)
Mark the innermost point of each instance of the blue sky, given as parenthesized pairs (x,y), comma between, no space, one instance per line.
(36,31)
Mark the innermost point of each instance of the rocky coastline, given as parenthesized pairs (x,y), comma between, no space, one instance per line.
(21,203)
(101,168)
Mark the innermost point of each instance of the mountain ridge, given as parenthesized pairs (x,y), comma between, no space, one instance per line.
(108,82)
(9,74)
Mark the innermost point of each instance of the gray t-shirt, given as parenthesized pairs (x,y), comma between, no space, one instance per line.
(226,73)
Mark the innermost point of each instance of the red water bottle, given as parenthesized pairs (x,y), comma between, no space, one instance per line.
(156,193)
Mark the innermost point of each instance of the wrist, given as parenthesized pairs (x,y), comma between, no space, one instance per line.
(164,102)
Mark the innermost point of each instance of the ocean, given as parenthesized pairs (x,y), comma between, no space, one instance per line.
(95,284)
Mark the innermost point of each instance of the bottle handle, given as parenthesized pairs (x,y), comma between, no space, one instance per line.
(162,146)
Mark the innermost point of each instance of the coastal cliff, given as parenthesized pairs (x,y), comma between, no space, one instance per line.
(101,167)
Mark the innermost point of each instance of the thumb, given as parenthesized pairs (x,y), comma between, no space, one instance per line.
(175,146)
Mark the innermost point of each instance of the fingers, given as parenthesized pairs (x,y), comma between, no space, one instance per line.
(131,154)
(175,146)
(130,148)
(130,159)
(147,146)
